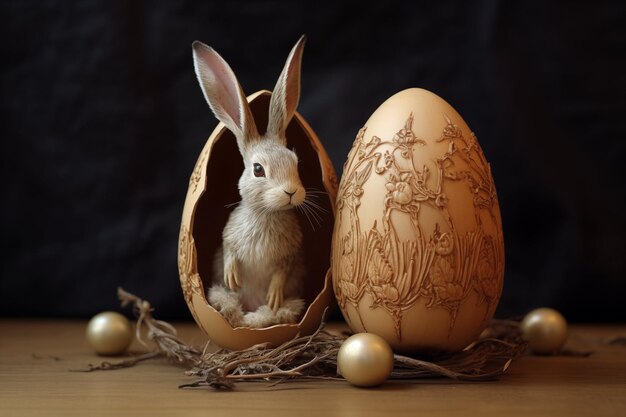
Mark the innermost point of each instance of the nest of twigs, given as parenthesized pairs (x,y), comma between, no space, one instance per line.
(311,357)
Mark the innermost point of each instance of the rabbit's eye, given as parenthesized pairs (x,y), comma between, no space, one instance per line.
(259,171)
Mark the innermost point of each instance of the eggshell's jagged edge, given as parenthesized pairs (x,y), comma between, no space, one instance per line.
(222,334)
(213,324)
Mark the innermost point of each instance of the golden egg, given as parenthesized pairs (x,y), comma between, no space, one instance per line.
(365,360)
(545,329)
(418,249)
(109,333)
(210,196)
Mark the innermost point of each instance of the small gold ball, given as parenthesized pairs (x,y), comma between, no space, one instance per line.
(545,329)
(365,360)
(109,333)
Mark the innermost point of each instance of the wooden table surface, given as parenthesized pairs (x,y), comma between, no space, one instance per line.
(35,356)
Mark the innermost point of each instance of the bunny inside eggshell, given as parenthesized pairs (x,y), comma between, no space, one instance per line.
(281,285)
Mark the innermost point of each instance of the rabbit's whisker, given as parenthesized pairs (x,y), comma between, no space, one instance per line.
(315,191)
(316,206)
(302,210)
(310,196)
(312,211)
(316,217)
(232,204)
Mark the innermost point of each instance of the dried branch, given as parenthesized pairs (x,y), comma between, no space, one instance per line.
(616,340)
(161,333)
(109,366)
(310,357)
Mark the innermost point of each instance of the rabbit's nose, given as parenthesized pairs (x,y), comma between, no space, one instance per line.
(290,195)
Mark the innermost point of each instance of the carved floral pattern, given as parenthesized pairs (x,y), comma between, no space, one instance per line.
(196,175)
(188,267)
(443,268)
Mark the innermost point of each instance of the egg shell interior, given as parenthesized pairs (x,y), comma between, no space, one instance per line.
(212,192)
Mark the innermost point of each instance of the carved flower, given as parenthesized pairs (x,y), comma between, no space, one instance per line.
(349,289)
(441,271)
(445,244)
(450,131)
(378,269)
(400,189)
(351,196)
(366,150)
(405,136)
(449,292)
(485,270)
(380,276)
(487,280)
(402,192)
(442,278)
(386,292)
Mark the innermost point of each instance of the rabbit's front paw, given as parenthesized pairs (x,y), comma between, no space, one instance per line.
(275,292)
(231,276)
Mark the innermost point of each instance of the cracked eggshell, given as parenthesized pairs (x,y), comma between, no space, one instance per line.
(212,187)
(418,252)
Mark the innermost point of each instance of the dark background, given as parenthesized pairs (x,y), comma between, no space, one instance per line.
(102,121)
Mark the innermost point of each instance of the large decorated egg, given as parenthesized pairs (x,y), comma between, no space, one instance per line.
(418,251)
(210,198)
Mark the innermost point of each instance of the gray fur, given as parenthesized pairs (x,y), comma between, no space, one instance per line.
(259,265)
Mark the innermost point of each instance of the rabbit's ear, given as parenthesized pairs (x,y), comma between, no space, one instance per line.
(224,94)
(286,93)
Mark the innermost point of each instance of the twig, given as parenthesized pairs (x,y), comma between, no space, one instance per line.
(108,366)
(163,334)
(311,357)
(616,340)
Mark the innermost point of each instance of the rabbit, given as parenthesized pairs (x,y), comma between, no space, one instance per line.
(258,270)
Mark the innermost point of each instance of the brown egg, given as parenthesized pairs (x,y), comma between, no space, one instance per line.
(418,252)
(213,189)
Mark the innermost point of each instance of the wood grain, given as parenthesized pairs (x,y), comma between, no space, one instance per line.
(35,356)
